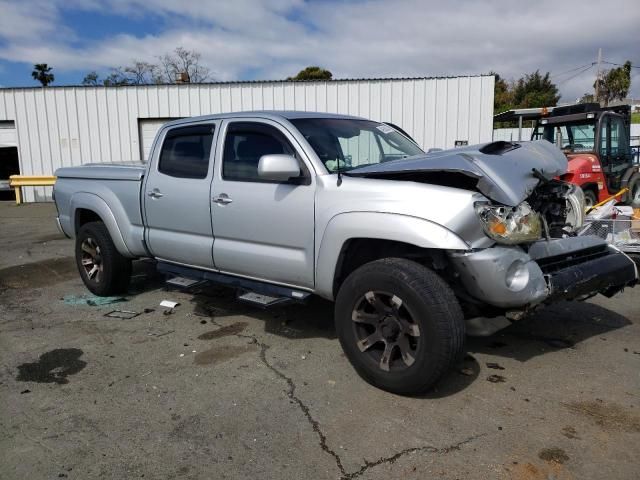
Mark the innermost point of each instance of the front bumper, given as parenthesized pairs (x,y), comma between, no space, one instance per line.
(568,268)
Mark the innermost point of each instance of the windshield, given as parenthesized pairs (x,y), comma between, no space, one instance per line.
(351,144)
(576,136)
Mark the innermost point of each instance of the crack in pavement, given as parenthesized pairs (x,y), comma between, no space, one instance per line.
(321,435)
(305,409)
(392,459)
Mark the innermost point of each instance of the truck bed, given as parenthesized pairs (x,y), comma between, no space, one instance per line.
(110,190)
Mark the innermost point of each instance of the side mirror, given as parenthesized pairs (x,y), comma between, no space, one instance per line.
(278,168)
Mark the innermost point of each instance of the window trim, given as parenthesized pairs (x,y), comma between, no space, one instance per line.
(305,173)
(168,133)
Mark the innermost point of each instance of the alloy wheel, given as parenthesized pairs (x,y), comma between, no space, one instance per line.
(92,259)
(386,330)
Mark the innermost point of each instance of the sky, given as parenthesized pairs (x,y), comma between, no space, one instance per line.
(273,39)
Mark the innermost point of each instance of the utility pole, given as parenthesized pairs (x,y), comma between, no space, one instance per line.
(598,75)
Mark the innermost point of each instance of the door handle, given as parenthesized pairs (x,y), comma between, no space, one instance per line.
(222,199)
(155,193)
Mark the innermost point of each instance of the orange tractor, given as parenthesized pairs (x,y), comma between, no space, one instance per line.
(596,142)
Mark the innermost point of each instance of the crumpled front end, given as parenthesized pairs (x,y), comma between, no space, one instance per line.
(508,278)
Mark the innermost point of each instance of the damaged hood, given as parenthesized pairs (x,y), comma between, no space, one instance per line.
(503,170)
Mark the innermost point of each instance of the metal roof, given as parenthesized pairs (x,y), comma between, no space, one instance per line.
(252,82)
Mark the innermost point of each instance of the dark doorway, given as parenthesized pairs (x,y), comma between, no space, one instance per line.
(9,165)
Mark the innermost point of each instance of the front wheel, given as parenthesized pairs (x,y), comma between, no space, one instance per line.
(633,197)
(399,324)
(590,198)
(103,269)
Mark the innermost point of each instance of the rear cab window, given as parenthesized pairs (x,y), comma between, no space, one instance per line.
(186,151)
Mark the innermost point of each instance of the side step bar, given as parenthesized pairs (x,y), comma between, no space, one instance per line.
(260,300)
(252,291)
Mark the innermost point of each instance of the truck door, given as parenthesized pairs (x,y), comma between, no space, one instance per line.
(263,229)
(615,152)
(177,193)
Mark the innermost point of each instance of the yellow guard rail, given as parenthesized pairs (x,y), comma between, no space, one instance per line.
(17,181)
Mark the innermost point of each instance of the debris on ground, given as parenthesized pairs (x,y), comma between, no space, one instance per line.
(495,366)
(163,333)
(169,304)
(91,300)
(496,379)
(123,314)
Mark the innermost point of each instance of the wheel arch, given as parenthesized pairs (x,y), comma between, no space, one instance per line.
(352,239)
(87,207)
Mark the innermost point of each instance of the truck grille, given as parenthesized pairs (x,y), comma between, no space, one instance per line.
(553,264)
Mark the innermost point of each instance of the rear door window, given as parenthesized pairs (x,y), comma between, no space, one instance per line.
(185,152)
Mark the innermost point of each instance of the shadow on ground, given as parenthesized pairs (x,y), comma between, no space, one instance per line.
(556,327)
(312,319)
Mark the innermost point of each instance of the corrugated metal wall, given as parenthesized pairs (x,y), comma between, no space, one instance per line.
(63,126)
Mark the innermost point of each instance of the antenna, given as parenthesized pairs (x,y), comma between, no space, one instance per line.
(339,171)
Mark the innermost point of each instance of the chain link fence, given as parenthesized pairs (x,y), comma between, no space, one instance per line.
(624,233)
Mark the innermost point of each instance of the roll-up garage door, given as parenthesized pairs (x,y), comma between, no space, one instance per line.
(148,127)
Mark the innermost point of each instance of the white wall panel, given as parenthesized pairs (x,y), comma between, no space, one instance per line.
(62,126)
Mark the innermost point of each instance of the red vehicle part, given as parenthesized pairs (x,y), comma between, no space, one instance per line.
(584,170)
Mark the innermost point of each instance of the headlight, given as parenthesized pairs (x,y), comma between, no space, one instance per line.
(510,225)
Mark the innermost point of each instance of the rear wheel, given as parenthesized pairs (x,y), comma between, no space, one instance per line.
(103,270)
(399,324)
(590,198)
(634,190)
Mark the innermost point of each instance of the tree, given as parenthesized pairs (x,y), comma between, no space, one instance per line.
(312,73)
(614,84)
(535,90)
(42,73)
(91,79)
(140,73)
(529,91)
(502,94)
(181,63)
(587,98)
(116,78)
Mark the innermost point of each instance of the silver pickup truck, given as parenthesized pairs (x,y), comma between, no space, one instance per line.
(414,248)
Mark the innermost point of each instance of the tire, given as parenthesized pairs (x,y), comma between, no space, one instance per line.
(95,252)
(633,197)
(411,296)
(590,198)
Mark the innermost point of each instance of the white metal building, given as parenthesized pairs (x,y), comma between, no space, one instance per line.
(54,127)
